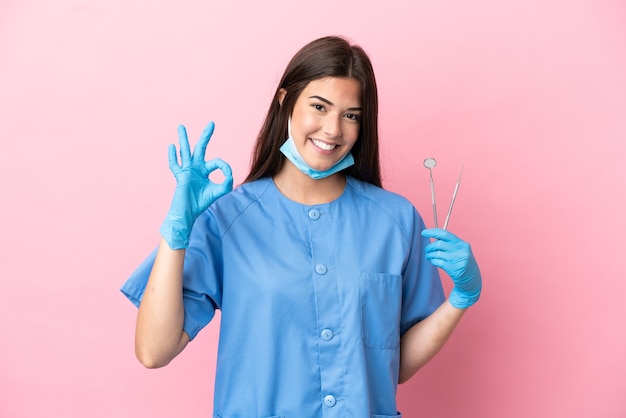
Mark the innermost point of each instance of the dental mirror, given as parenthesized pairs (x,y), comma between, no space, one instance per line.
(431,163)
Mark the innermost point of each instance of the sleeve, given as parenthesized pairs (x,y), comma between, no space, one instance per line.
(202,276)
(422,292)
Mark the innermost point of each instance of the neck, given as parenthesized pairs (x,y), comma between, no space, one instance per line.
(301,188)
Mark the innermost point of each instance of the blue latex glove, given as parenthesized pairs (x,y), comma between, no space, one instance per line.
(454,256)
(194,191)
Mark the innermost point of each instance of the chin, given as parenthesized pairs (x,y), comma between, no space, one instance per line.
(321,167)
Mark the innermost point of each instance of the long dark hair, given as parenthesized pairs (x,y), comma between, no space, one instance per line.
(330,56)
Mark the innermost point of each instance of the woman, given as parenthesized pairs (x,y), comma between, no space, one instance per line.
(327,296)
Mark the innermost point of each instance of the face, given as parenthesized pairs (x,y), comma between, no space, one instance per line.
(326,119)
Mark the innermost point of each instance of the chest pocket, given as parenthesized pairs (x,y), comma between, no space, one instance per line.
(381,303)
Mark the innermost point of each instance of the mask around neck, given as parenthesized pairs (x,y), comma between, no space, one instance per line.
(290,151)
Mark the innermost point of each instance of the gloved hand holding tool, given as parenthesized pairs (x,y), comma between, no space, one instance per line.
(454,256)
(195,192)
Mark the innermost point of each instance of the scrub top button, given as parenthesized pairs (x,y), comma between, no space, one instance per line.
(314,214)
(321,269)
(327,334)
(329,400)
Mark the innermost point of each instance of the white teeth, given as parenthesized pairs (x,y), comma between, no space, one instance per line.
(323,145)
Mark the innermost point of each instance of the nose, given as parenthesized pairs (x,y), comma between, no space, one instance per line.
(332,127)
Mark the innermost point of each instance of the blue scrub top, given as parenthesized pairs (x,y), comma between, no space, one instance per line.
(313,299)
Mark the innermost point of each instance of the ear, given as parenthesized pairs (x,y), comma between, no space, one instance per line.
(281,96)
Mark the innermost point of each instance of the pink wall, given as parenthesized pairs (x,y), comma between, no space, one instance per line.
(528,95)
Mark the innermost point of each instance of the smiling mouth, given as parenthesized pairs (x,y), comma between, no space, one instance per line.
(323,145)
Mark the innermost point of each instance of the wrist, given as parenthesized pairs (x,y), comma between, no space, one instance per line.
(463,299)
(177,237)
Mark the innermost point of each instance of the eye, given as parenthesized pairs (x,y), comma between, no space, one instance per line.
(353,116)
(318,106)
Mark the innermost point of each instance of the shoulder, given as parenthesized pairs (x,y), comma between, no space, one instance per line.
(230,206)
(247,192)
(384,199)
(397,208)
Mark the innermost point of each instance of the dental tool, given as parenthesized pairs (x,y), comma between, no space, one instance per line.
(431,163)
(456,189)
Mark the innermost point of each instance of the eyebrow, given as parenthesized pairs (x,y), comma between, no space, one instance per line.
(328,102)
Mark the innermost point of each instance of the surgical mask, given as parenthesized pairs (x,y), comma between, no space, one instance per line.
(291,152)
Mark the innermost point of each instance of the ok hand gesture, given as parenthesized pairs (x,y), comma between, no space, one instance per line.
(195,192)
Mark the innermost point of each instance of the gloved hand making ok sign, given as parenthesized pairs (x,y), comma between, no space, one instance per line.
(195,192)
(454,256)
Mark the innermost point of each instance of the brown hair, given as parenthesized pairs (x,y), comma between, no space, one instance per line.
(330,56)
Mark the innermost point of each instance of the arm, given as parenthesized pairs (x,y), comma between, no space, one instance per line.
(159,335)
(424,339)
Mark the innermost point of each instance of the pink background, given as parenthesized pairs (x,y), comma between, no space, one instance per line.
(528,95)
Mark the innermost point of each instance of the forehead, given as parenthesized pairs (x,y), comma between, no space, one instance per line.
(338,90)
